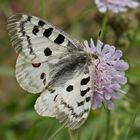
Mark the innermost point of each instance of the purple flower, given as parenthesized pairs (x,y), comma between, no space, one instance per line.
(116,5)
(109,73)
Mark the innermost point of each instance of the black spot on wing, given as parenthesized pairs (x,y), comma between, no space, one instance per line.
(69,43)
(80,103)
(47,52)
(52,91)
(41,23)
(35,30)
(86,110)
(29,18)
(85,81)
(60,39)
(42,76)
(55,97)
(28,40)
(69,88)
(44,81)
(48,32)
(74,115)
(88,99)
(83,92)
(31,50)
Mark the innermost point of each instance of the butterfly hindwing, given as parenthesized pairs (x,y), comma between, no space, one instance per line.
(32,77)
(76,106)
(69,103)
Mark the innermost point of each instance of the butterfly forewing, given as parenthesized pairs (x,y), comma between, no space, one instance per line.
(35,38)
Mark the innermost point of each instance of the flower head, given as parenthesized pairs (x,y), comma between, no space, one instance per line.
(116,5)
(109,74)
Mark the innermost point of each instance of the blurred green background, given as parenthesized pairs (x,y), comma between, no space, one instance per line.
(81,19)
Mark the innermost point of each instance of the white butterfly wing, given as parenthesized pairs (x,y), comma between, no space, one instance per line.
(69,103)
(34,38)
(52,62)
(32,77)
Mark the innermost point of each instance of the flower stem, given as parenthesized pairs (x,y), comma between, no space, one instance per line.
(108,118)
(132,122)
(55,133)
(104,25)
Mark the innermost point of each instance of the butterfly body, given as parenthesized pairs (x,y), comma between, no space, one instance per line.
(55,64)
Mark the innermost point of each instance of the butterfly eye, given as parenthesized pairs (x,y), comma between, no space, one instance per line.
(95,56)
(36,65)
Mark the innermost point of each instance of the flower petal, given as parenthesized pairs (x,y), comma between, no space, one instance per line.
(107,96)
(116,6)
(121,80)
(92,45)
(117,55)
(98,47)
(108,51)
(120,65)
